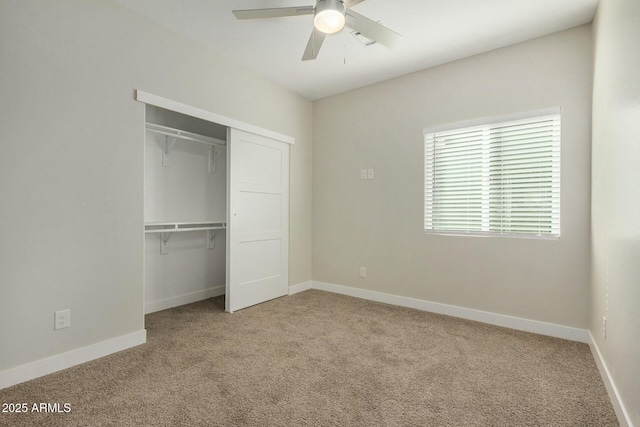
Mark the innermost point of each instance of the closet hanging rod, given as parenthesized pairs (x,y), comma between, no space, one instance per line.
(183,134)
(178,230)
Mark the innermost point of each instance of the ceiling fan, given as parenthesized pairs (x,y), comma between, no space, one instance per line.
(330,16)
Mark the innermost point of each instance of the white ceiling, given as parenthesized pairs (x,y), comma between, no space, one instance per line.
(434,32)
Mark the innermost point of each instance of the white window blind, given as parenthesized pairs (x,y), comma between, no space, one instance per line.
(498,178)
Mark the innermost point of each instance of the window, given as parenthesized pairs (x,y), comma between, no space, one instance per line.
(494,179)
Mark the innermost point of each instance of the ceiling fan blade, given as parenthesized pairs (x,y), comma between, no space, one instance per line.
(314,45)
(372,29)
(351,3)
(276,12)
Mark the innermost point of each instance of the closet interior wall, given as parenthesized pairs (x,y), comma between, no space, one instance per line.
(186,189)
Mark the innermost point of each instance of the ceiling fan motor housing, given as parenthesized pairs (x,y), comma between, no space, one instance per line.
(329,16)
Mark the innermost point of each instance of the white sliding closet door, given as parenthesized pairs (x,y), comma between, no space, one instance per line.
(258,219)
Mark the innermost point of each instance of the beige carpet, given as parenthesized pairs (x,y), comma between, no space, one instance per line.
(322,359)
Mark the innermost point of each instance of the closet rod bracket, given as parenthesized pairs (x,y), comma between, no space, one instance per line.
(211,239)
(214,154)
(164,242)
(166,149)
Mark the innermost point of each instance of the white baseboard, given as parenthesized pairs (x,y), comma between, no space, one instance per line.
(163,304)
(518,323)
(612,390)
(66,360)
(300,287)
(71,358)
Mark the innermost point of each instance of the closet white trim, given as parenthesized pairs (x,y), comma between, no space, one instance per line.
(188,110)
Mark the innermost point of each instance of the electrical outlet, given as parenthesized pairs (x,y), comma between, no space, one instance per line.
(363,272)
(604,327)
(62,319)
(363,174)
(369,173)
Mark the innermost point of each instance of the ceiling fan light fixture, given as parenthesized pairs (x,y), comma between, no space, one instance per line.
(329,16)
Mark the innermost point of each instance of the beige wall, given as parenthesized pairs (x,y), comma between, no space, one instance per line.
(71,205)
(379,223)
(615,275)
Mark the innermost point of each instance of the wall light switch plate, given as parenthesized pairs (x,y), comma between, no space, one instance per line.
(363,174)
(369,173)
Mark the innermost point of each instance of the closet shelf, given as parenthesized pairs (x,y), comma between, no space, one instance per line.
(174,227)
(166,230)
(182,134)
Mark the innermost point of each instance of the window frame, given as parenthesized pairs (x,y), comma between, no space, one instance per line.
(494,121)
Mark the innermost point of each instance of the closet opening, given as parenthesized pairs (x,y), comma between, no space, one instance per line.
(185,209)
